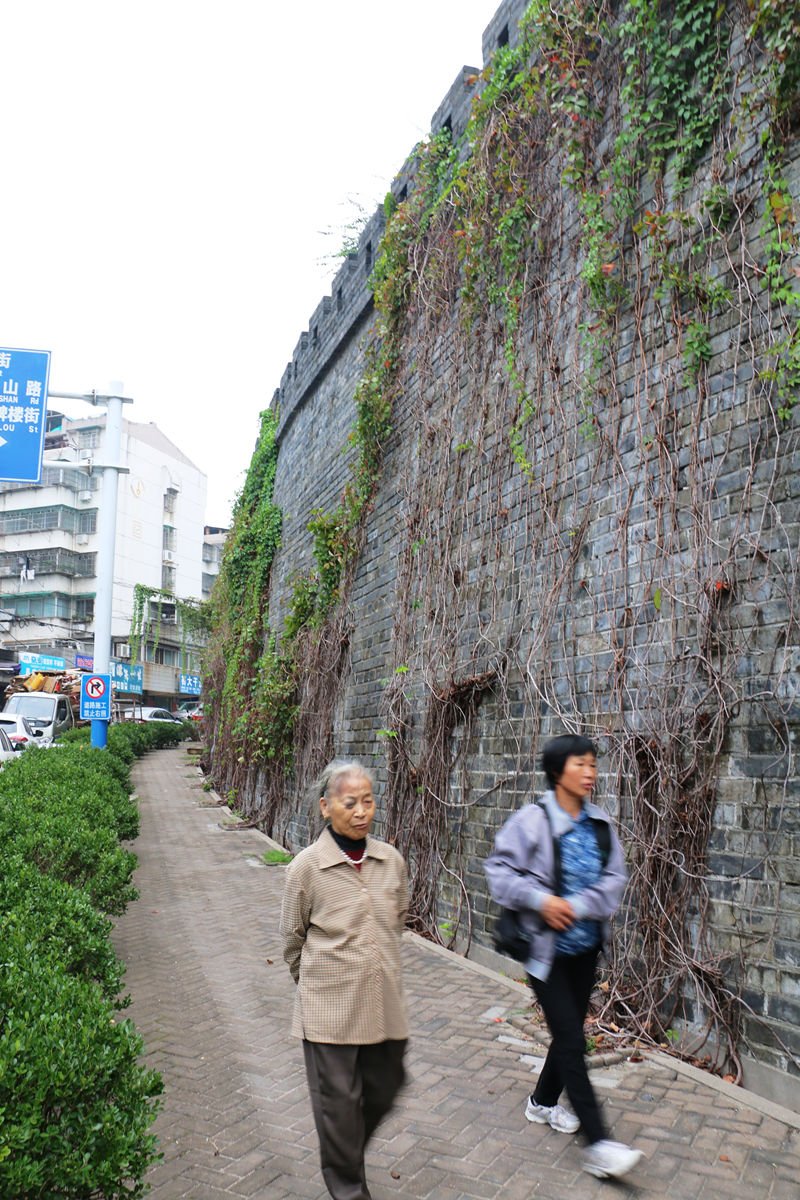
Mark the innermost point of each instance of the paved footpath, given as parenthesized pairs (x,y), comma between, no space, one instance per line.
(212,999)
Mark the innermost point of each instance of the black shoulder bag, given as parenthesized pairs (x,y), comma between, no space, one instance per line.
(509,937)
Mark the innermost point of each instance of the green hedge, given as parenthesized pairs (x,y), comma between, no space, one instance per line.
(128,740)
(63,921)
(76,1105)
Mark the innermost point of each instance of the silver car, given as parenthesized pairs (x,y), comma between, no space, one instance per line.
(7,751)
(144,712)
(19,731)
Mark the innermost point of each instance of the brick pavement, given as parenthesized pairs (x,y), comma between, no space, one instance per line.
(212,999)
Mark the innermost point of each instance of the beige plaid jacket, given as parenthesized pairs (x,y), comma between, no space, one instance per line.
(341,938)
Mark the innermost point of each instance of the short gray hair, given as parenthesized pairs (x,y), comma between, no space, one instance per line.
(335,770)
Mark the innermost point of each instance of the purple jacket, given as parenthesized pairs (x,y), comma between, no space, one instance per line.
(521,870)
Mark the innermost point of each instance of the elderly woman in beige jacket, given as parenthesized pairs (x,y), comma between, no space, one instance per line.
(344,908)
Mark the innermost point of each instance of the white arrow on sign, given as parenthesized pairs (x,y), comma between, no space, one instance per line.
(2,441)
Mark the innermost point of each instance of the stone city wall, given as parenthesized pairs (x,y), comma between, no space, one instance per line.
(629,569)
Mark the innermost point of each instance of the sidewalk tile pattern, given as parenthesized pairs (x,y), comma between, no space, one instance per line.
(212,999)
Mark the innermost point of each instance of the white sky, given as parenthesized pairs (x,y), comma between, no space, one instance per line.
(170,167)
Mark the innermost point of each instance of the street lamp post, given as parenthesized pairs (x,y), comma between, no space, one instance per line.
(107,528)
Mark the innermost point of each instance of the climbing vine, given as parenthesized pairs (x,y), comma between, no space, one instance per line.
(192,620)
(570,304)
(249,683)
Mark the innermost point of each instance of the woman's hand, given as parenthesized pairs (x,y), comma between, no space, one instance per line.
(558,913)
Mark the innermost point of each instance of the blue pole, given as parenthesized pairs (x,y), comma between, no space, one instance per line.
(107,528)
(99,734)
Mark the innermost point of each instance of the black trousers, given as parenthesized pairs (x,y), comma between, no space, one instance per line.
(564,997)
(352,1088)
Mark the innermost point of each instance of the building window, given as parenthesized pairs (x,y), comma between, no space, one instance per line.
(87,439)
(75,481)
(55,516)
(24,606)
(54,561)
(83,608)
(167,579)
(168,538)
(46,604)
(29,520)
(163,613)
(58,606)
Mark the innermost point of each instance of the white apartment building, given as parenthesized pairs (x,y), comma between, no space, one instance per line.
(48,550)
(213,544)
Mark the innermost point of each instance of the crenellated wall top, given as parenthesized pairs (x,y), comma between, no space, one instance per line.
(338,316)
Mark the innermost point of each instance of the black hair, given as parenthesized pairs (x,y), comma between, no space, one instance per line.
(558,750)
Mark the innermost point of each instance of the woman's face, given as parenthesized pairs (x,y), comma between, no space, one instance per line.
(579,776)
(349,807)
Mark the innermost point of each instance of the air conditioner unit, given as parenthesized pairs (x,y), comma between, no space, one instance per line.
(61,455)
(84,497)
(82,539)
(123,650)
(168,556)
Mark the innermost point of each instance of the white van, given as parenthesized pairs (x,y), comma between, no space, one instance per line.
(45,710)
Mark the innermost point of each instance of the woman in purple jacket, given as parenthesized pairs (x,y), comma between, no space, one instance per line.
(566,896)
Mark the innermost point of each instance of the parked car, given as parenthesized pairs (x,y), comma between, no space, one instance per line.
(7,751)
(145,712)
(19,731)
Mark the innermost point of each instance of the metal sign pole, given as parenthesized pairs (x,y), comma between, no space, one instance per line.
(107,529)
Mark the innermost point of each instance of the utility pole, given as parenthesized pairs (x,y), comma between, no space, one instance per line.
(107,529)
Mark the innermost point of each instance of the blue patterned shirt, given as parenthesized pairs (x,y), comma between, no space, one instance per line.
(581,866)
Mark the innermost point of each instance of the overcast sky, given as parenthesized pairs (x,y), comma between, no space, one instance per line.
(170,168)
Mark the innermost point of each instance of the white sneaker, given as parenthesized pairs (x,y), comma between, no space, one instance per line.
(557,1118)
(605,1159)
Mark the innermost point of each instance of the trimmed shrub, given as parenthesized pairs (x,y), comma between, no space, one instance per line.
(75,1104)
(129,740)
(63,924)
(67,844)
(94,783)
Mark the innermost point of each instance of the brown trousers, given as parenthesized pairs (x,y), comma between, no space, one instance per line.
(352,1089)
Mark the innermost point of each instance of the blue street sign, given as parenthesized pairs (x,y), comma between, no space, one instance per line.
(30,662)
(95,697)
(191,685)
(23,413)
(127,679)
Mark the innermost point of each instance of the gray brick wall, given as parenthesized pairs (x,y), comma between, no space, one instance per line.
(683,485)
